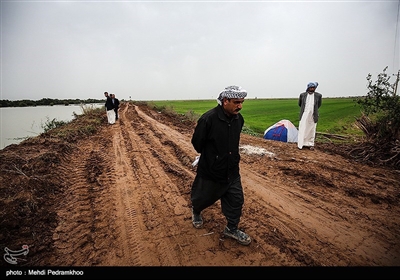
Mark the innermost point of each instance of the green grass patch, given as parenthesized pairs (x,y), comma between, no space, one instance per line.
(337,115)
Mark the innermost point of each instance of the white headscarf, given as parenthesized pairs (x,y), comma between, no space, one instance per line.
(231,92)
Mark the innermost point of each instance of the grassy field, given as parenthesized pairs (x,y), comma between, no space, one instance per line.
(337,115)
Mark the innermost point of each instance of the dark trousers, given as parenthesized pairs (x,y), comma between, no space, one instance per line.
(116,113)
(205,193)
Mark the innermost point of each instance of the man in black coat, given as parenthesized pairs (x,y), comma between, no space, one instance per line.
(109,108)
(216,137)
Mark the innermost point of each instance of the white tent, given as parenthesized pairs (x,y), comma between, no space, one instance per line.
(284,131)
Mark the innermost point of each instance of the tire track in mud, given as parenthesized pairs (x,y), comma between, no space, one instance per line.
(283,230)
(163,208)
(161,183)
(284,213)
(86,225)
(308,214)
(285,208)
(276,236)
(168,144)
(171,154)
(145,177)
(167,149)
(130,251)
(129,210)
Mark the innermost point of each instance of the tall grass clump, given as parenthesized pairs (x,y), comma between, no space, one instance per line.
(82,125)
(88,109)
(51,124)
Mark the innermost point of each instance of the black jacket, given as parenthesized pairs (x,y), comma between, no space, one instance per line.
(116,104)
(216,137)
(109,105)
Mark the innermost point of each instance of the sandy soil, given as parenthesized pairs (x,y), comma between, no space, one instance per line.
(122,198)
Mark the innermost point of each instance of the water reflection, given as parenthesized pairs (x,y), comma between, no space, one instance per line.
(17,123)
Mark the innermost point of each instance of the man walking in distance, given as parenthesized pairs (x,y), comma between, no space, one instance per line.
(116,105)
(309,102)
(109,109)
(216,137)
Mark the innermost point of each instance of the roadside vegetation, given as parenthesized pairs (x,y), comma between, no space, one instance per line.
(84,124)
(380,121)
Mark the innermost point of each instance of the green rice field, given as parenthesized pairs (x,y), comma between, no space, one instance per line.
(337,115)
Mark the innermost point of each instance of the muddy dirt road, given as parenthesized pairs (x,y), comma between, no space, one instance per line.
(121,197)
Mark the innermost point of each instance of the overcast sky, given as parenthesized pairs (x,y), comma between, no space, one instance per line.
(180,50)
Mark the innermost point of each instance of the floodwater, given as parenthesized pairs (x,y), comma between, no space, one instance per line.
(19,123)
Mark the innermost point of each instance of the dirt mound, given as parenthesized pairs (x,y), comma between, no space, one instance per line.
(121,197)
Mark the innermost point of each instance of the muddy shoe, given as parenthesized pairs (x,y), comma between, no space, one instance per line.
(197,220)
(239,235)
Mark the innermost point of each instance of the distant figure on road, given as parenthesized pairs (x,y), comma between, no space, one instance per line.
(116,105)
(216,137)
(309,102)
(109,109)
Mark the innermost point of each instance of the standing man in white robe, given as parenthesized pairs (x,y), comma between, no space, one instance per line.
(109,109)
(309,102)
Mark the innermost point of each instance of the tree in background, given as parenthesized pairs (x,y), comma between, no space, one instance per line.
(380,120)
(382,107)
